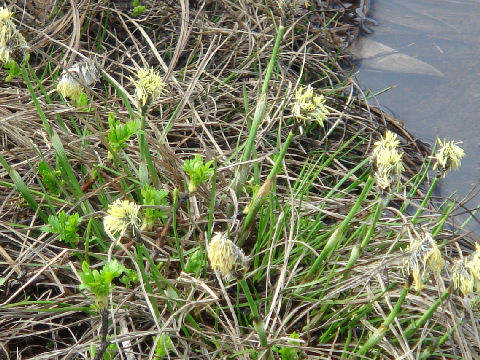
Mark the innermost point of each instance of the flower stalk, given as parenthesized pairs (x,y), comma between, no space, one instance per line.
(448,157)
(261,196)
(149,86)
(242,171)
(379,334)
(339,232)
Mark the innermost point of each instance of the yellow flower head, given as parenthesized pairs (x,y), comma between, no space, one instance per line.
(11,41)
(425,257)
(475,305)
(5,14)
(122,215)
(226,257)
(462,277)
(472,263)
(73,80)
(389,141)
(448,156)
(309,106)
(148,86)
(387,161)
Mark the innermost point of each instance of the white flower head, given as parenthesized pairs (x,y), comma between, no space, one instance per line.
(148,86)
(75,78)
(226,257)
(11,40)
(425,257)
(122,216)
(309,106)
(448,157)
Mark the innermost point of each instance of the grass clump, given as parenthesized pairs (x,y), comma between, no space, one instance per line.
(312,231)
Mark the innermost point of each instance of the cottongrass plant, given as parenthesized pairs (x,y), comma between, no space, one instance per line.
(387,162)
(11,40)
(122,218)
(73,80)
(226,257)
(149,86)
(448,157)
(324,205)
(424,257)
(309,106)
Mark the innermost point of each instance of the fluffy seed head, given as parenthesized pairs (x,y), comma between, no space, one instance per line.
(475,305)
(472,263)
(122,215)
(226,257)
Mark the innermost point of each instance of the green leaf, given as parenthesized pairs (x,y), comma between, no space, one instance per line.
(163,346)
(81,100)
(195,262)
(290,353)
(49,177)
(138,10)
(130,276)
(13,70)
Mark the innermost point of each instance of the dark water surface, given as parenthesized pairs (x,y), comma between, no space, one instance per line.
(434,67)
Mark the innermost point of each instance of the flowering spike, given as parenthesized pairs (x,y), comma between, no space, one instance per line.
(462,277)
(387,161)
(122,215)
(148,86)
(472,263)
(448,157)
(425,257)
(11,40)
(226,257)
(309,106)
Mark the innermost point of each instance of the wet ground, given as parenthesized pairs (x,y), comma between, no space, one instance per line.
(429,51)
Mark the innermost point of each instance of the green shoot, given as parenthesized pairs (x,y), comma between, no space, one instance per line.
(155,197)
(49,177)
(99,283)
(129,277)
(137,8)
(119,134)
(197,171)
(65,226)
(109,353)
(289,352)
(13,70)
